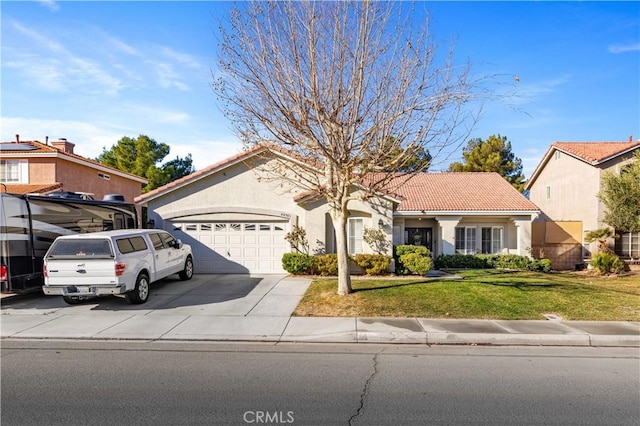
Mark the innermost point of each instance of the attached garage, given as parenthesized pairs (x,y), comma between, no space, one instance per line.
(235,246)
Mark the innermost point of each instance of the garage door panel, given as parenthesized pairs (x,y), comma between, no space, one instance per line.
(237,247)
(250,239)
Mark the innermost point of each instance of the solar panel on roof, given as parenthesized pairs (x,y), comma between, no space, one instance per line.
(17,147)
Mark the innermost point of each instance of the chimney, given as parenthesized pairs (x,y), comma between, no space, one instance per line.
(63,145)
(17,138)
(630,138)
(46,140)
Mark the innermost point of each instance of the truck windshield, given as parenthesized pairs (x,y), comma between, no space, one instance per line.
(81,248)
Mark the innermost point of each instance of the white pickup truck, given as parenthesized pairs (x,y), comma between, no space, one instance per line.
(82,266)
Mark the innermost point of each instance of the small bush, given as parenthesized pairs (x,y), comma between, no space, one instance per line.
(540,265)
(606,263)
(416,263)
(298,263)
(412,260)
(327,264)
(373,264)
(511,261)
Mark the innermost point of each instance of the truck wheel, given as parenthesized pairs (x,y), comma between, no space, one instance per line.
(140,293)
(187,272)
(72,300)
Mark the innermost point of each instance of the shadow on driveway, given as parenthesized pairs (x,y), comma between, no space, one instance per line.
(230,294)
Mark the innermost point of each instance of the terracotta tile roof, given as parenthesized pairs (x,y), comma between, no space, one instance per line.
(482,191)
(42,149)
(595,152)
(441,192)
(21,188)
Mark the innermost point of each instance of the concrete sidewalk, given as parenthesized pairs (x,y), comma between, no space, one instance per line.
(244,308)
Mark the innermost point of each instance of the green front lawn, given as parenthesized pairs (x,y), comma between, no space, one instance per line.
(482,294)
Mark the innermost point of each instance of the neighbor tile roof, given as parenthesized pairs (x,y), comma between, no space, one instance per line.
(470,191)
(595,152)
(43,149)
(21,188)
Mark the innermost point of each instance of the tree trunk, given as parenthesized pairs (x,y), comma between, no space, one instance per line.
(344,277)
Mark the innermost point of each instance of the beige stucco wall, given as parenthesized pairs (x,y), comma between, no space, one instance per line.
(573,187)
(237,192)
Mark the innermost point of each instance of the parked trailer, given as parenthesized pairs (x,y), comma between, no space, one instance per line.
(29,224)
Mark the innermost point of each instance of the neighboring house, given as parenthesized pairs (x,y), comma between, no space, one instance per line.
(236,222)
(32,167)
(565,183)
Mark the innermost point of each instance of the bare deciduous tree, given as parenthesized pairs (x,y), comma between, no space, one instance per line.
(356,89)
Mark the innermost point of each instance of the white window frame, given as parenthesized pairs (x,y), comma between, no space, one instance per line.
(468,244)
(628,245)
(355,232)
(496,239)
(14,171)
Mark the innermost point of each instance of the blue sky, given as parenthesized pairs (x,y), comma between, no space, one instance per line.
(93,72)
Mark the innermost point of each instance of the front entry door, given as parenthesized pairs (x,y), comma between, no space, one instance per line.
(419,237)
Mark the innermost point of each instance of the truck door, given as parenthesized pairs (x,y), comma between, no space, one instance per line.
(160,256)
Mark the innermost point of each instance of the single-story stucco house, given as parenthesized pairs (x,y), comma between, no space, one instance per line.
(236,222)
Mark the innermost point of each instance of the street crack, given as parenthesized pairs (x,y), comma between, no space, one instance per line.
(365,391)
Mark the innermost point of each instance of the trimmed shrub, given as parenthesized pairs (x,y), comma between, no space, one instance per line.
(373,264)
(606,263)
(462,261)
(501,261)
(416,263)
(327,264)
(298,263)
(540,265)
(412,259)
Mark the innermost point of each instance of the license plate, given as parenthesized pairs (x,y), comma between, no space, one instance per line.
(78,290)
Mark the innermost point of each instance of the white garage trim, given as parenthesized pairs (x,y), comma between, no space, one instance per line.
(235,246)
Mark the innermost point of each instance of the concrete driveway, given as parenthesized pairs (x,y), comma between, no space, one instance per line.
(207,306)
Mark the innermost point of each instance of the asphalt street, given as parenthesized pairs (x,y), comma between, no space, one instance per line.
(180,383)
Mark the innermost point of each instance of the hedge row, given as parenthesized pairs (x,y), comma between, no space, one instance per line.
(483,261)
(327,264)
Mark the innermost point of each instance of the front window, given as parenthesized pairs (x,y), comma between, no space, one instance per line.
(354,235)
(628,245)
(492,240)
(14,171)
(466,240)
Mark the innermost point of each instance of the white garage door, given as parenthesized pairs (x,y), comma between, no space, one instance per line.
(236,247)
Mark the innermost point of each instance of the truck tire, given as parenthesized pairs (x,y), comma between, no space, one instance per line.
(140,293)
(187,272)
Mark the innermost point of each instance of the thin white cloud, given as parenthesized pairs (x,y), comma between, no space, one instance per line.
(182,58)
(618,48)
(89,139)
(52,5)
(54,68)
(528,92)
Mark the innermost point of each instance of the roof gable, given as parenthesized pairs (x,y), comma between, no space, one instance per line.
(592,153)
(35,149)
(435,192)
(595,152)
